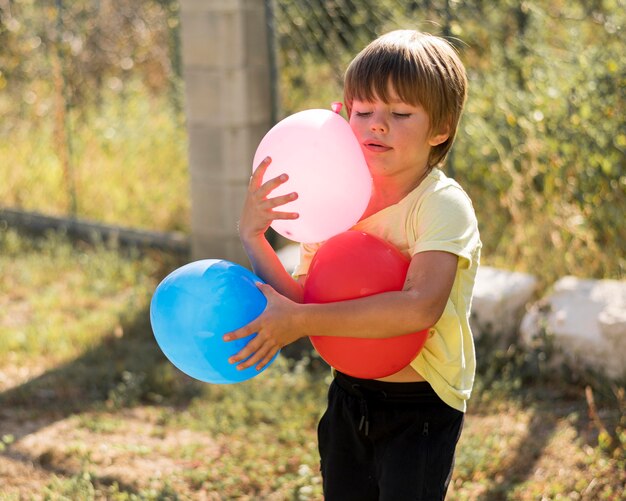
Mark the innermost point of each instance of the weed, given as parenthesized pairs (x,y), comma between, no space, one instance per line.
(255,439)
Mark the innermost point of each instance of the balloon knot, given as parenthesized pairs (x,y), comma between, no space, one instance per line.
(336,107)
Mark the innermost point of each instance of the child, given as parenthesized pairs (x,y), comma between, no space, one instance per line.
(392,438)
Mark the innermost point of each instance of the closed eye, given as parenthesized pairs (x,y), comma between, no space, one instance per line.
(362,113)
(401,115)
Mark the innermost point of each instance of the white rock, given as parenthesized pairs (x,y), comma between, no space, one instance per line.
(587,319)
(500,297)
(499,304)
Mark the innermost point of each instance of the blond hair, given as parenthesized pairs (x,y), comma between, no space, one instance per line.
(422,69)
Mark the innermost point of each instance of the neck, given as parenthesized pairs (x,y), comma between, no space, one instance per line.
(395,189)
(388,191)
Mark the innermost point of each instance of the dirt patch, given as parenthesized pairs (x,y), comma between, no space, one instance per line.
(21,478)
(15,374)
(130,448)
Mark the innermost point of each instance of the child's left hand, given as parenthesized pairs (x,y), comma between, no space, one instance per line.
(276,327)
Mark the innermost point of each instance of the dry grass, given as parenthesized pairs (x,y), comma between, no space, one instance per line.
(90,409)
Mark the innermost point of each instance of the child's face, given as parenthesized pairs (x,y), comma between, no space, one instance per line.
(395,137)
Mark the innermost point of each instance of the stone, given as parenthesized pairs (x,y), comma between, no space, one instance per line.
(499,303)
(587,321)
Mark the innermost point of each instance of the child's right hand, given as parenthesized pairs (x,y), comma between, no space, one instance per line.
(258,213)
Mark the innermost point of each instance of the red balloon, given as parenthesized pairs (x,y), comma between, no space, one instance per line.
(355,264)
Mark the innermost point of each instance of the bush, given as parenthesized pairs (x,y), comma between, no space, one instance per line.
(92,100)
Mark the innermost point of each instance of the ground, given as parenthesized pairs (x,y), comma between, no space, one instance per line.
(506,452)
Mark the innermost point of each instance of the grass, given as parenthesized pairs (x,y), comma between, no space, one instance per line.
(91,409)
(128,163)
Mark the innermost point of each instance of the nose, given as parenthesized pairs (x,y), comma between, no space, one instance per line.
(378,124)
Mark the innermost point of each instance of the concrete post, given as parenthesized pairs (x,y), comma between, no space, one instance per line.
(228,106)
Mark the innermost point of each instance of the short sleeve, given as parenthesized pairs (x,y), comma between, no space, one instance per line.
(445,221)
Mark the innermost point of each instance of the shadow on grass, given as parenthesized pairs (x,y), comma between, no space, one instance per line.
(521,463)
(46,462)
(553,392)
(119,372)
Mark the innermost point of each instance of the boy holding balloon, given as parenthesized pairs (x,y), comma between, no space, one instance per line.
(404,95)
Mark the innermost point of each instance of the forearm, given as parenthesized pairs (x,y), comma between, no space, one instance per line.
(417,307)
(382,315)
(268,267)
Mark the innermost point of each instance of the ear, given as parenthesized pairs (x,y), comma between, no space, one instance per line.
(442,136)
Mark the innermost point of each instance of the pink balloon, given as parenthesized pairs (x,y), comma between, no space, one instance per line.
(326,167)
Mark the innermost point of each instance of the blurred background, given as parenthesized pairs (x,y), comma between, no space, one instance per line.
(93,127)
(93,122)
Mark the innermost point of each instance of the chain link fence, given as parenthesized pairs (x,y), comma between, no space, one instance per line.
(61,61)
(84,82)
(314,40)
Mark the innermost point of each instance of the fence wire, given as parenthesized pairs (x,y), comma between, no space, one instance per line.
(326,27)
(326,34)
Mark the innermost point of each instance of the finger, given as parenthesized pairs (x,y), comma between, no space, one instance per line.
(242,332)
(268,358)
(256,179)
(266,188)
(285,215)
(246,352)
(281,200)
(256,358)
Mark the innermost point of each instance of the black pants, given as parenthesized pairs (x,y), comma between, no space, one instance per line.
(386,441)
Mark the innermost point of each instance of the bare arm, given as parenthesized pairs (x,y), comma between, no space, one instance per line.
(256,217)
(267,266)
(418,306)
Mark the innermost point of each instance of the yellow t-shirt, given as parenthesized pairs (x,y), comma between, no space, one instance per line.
(437,215)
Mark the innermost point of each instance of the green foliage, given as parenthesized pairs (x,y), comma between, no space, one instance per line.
(539,372)
(129,163)
(85,486)
(79,486)
(5,441)
(92,100)
(75,50)
(541,148)
(102,415)
(90,93)
(55,291)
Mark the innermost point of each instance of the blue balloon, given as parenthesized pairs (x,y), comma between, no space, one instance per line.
(194,306)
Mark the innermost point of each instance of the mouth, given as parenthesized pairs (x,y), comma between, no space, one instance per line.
(375,146)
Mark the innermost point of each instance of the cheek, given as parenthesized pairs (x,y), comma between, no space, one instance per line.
(359,128)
